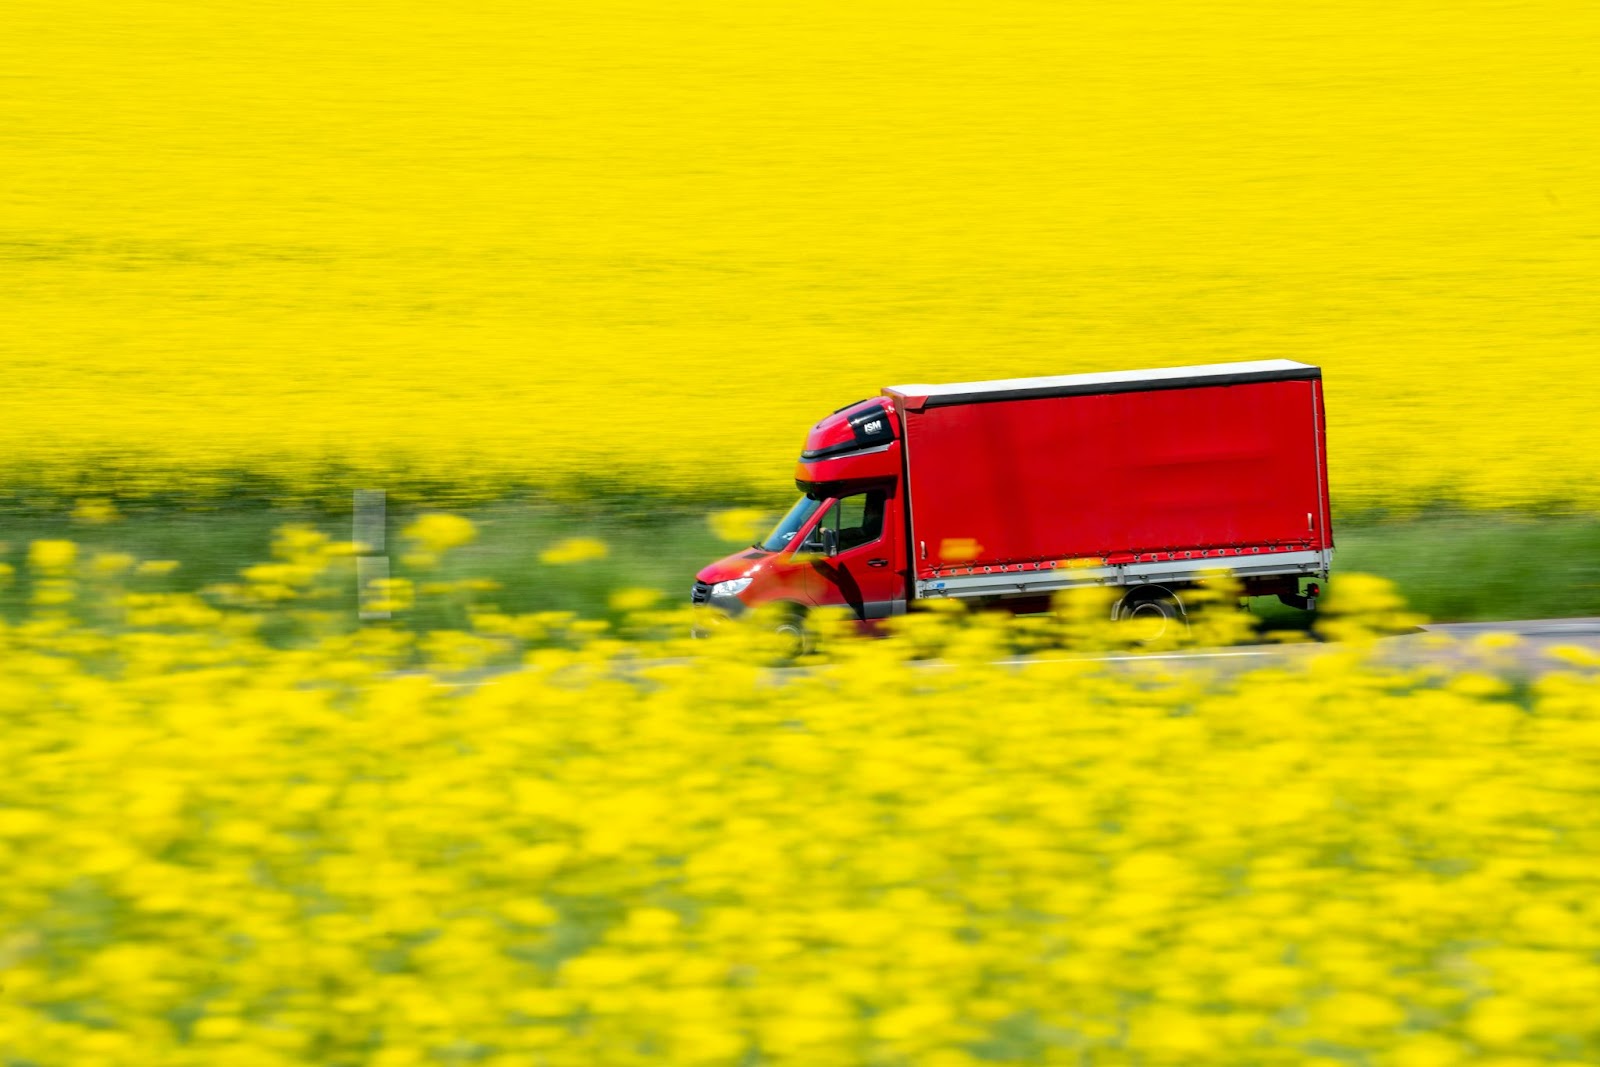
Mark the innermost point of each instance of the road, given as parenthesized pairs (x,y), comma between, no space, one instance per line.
(1467,645)
(1464,645)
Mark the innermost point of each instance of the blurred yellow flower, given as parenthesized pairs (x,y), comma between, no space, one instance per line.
(1575,655)
(959,549)
(391,594)
(741,526)
(111,563)
(626,600)
(1498,1022)
(51,557)
(438,532)
(95,512)
(574,550)
(1363,607)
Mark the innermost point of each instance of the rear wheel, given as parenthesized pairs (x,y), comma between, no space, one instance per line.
(1152,617)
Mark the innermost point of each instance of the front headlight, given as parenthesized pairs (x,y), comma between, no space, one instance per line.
(732,587)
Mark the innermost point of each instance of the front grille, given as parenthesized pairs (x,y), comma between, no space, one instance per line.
(700,593)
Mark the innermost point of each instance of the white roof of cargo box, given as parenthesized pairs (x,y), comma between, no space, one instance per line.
(1133,381)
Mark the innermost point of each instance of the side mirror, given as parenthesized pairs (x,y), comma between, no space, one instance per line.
(830,542)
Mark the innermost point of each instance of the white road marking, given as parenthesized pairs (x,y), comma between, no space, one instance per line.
(1139,658)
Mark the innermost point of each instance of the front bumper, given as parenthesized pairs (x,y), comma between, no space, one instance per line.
(732,606)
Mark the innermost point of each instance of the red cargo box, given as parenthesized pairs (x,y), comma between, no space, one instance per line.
(1116,467)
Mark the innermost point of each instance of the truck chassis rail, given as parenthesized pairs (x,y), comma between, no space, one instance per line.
(996,582)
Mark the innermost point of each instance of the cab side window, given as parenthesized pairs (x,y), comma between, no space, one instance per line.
(859,518)
(856,520)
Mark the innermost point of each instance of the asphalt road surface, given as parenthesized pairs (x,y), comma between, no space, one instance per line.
(1519,647)
(1523,649)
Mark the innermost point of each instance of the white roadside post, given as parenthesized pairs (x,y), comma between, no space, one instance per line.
(372,566)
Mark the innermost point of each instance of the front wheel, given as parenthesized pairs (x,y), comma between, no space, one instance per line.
(790,626)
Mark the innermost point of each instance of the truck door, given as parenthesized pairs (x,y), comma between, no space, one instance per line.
(866,573)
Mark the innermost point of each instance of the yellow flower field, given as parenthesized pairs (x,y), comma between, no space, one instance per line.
(614,244)
(221,851)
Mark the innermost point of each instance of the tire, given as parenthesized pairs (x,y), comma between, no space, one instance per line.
(1158,616)
(791,625)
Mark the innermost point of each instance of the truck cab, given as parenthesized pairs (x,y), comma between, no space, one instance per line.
(842,544)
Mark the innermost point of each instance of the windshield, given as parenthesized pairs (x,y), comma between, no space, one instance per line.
(790,524)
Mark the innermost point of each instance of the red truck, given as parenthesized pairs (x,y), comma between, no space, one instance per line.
(1006,492)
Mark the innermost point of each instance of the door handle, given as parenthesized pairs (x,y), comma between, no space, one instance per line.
(877,563)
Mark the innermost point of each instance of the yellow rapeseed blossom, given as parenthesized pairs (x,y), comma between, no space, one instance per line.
(224,849)
(574,550)
(1361,608)
(51,557)
(437,533)
(95,512)
(741,526)
(378,244)
(391,594)
(632,600)
(112,563)
(1576,655)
